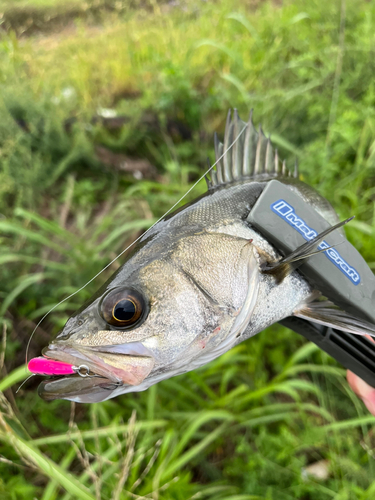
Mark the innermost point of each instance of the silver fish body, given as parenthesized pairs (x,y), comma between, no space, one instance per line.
(199,274)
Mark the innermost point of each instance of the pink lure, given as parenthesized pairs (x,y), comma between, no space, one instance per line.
(45,366)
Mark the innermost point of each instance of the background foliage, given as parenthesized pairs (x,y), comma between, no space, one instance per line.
(96,95)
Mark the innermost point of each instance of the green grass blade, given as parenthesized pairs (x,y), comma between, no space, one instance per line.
(47,466)
(25,283)
(17,375)
(51,491)
(13,228)
(100,432)
(348,424)
(194,451)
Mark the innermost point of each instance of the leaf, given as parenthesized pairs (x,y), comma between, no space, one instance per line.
(278,140)
(17,375)
(302,353)
(111,430)
(217,45)
(47,467)
(348,424)
(236,16)
(51,491)
(299,17)
(51,227)
(12,227)
(21,287)
(198,421)
(194,451)
(125,228)
(7,258)
(238,84)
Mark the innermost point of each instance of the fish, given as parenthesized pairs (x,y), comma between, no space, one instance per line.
(198,283)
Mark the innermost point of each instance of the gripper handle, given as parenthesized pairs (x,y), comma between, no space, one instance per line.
(354,352)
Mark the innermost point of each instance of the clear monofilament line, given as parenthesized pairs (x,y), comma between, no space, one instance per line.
(24,382)
(133,243)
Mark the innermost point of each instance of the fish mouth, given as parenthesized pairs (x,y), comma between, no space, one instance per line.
(97,370)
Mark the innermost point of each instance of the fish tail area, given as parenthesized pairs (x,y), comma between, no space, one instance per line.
(252,155)
(328,314)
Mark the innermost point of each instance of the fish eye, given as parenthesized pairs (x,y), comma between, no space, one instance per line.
(123,307)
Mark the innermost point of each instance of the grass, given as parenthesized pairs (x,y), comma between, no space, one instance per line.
(247,425)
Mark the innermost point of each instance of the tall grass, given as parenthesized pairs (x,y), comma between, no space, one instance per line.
(247,425)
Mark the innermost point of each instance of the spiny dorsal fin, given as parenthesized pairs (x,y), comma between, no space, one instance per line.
(251,156)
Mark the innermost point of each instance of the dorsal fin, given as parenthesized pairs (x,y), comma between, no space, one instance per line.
(251,156)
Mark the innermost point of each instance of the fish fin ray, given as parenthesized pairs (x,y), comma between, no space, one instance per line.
(251,156)
(224,173)
(328,314)
(296,169)
(290,263)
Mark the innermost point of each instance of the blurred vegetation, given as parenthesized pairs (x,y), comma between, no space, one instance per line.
(136,91)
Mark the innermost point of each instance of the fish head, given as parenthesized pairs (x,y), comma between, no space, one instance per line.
(178,302)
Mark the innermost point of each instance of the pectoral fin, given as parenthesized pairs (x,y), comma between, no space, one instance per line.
(326,313)
(287,265)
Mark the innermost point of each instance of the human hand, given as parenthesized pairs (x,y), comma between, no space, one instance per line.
(362,389)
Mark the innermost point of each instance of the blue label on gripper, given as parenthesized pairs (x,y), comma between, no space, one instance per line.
(287,213)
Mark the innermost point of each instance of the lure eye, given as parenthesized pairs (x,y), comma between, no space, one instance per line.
(123,307)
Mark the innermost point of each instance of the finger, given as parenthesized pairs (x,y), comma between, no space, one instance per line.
(363,390)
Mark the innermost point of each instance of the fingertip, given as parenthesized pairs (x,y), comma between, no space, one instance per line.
(351,378)
(363,390)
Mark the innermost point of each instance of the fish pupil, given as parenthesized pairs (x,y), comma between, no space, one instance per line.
(124,310)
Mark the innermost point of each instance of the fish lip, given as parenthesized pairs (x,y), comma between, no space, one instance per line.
(102,371)
(77,358)
(83,388)
(90,361)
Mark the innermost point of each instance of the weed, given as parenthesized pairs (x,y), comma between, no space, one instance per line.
(153,83)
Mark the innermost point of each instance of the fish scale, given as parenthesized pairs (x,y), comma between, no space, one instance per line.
(208,277)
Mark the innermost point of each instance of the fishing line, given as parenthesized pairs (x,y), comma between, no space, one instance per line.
(135,241)
(24,382)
